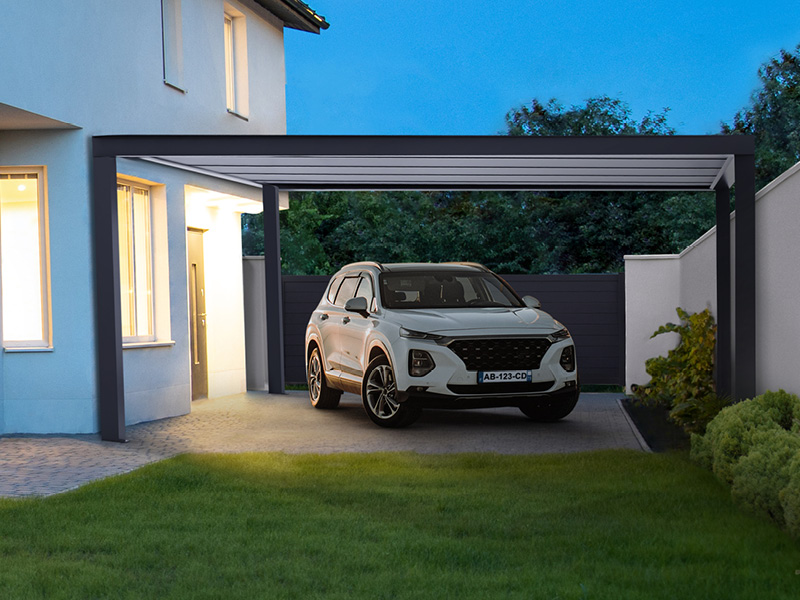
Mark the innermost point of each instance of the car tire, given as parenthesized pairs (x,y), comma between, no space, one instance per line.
(550,410)
(379,395)
(321,394)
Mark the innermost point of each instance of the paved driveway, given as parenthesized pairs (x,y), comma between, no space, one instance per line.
(258,422)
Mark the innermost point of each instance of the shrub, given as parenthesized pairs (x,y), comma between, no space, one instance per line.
(761,475)
(790,498)
(684,379)
(701,451)
(755,446)
(730,434)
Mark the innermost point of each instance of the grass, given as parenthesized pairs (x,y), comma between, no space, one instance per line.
(613,524)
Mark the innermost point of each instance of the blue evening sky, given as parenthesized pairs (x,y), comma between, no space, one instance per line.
(456,67)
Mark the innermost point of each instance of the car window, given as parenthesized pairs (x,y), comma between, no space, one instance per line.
(442,289)
(346,290)
(334,288)
(365,289)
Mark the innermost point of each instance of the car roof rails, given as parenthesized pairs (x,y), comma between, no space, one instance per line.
(366,263)
(468,264)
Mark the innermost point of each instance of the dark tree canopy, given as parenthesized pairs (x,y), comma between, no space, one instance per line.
(600,115)
(527,232)
(773,116)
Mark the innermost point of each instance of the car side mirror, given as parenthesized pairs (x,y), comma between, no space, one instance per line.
(357,305)
(531,302)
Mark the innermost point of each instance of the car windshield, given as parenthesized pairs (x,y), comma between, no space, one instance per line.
(445,289)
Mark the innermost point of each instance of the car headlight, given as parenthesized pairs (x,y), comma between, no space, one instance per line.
(559,335)
(419,335)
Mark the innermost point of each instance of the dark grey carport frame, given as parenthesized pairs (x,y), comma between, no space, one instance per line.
(321,158)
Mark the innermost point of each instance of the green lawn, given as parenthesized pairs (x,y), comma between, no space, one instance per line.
(614,524)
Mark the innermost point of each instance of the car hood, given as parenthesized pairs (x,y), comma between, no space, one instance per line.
(475,321)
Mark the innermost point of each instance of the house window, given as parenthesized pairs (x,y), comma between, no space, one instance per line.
(135,262)
(236,85)
(24,258)
(230,64)
(172,36)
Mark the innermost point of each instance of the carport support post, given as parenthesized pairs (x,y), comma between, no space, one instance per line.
(724,322)
(744,360)
(274,288)
(110,384)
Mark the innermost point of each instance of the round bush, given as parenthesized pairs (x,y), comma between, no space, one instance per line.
(730,434)
(761,475)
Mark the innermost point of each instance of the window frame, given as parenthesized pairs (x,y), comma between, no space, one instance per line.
(46,342)
(149,264)
(172,43)
(235,62)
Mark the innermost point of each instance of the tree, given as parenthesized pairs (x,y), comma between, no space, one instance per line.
(773,116)
(601,115)
(590,232)
(510,232)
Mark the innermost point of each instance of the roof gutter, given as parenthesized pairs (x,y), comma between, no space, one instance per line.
(296,14)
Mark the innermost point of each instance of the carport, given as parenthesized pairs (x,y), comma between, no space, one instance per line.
(308,163)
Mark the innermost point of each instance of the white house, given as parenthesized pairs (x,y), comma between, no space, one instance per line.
(71,70)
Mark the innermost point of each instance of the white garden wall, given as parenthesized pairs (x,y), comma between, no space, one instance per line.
(688,280)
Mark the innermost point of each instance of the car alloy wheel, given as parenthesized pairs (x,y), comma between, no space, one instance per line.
(379,394)
(381,391)
(320,394)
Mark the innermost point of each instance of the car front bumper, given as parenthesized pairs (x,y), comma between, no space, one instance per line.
(452,385)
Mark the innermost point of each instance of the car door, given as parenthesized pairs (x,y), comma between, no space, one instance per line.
(333,318)
(354,331)
(327,327)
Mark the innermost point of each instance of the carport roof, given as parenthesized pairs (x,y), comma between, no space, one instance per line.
(692,163)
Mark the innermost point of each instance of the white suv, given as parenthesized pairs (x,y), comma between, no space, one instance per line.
(450,335)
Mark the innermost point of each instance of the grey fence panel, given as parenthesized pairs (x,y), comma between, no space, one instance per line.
(591,306)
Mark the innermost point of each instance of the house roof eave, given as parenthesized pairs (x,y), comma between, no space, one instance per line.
(296,14)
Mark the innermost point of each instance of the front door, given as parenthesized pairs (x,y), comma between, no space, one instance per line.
(197,314)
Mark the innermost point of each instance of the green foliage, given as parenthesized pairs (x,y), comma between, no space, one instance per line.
(700,451)
(790,498)
(773,116)
(755,447)
(730,434)
(684,379)
(601,115)
(761,474)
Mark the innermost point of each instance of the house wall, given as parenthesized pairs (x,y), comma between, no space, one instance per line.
(689,281)
(49,391)
(99,65)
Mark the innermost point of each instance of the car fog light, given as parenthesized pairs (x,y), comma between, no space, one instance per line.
(567,360)
(420,363)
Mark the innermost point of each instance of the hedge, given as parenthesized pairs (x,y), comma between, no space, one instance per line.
(754,446)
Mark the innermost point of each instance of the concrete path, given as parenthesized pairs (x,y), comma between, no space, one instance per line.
(260,422)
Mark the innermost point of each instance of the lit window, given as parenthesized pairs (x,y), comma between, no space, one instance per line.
(23,258)
(236,86)
(135,265)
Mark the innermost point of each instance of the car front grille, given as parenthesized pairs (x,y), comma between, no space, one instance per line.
(494,354)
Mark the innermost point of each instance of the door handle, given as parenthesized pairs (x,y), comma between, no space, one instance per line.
(323,317)
(345,320)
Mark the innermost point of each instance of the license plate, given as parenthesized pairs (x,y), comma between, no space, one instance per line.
(503,376)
